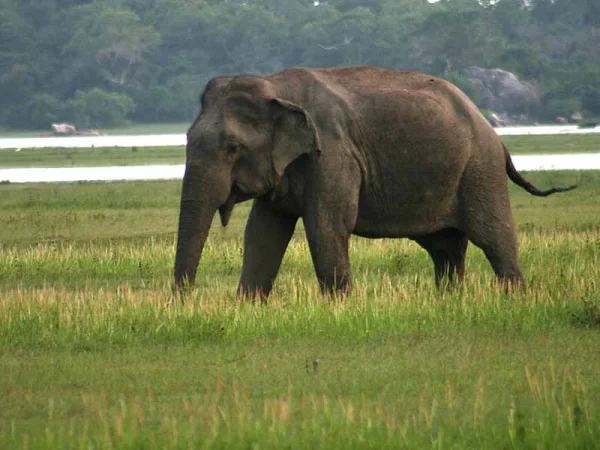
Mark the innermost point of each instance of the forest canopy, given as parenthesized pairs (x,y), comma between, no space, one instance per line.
(107,62)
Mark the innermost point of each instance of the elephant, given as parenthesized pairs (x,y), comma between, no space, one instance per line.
(366,151)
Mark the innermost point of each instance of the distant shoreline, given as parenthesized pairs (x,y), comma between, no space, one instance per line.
(572,161)
(179,139)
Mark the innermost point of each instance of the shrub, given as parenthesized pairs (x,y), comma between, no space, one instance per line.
(37,113)
(97,108)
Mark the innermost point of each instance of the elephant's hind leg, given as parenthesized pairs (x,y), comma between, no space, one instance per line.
(488,223)
(447,248)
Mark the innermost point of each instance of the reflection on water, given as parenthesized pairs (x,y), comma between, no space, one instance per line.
(573,161)
(157,140)
(545,129)
(175,140)
(67,174)
(578,161)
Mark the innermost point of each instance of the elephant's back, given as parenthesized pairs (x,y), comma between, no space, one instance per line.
(368,79)
(414,136)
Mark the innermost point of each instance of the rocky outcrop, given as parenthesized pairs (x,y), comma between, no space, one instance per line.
(502,91)
(66,129)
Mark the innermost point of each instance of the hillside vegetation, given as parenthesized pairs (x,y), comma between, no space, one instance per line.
(106,62)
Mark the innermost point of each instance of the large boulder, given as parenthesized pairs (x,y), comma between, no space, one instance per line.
(502,91)
(64,129)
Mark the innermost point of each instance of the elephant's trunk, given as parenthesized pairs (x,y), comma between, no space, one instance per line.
(200,198)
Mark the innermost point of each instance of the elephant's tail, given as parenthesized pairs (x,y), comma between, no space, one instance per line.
(520,181)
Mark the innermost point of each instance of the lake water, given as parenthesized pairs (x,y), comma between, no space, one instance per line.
(176,140)
(578,161)
(150,140)
(175,171)
(70,174)
(545,129)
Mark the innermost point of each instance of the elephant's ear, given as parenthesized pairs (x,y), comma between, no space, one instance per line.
(294,133)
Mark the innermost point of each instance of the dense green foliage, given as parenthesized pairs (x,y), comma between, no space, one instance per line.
(92,355)
(101,63)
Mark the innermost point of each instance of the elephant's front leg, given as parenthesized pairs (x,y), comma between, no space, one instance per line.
(328,237)
(330,216)
(267,236)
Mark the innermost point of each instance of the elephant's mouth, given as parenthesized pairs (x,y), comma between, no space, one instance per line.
(236,195)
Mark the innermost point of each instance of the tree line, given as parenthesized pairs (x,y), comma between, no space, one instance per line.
(106,62)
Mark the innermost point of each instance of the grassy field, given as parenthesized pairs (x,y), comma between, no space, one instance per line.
(64,157)
(574,143)
(92,356)
(78,157)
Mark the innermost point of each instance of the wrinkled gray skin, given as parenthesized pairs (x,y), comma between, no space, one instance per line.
(359,150)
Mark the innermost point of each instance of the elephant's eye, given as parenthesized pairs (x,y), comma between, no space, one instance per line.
(232,147)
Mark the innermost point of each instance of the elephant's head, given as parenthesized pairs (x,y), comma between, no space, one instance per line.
(237,149)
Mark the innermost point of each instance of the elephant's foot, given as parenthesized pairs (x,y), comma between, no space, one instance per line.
(511,283)
(253,293)
(336,287)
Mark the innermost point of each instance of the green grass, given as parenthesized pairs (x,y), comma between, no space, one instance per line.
(78,157)
(574,143)
(151,128)
(93,355)
(64,157)
(32,214)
